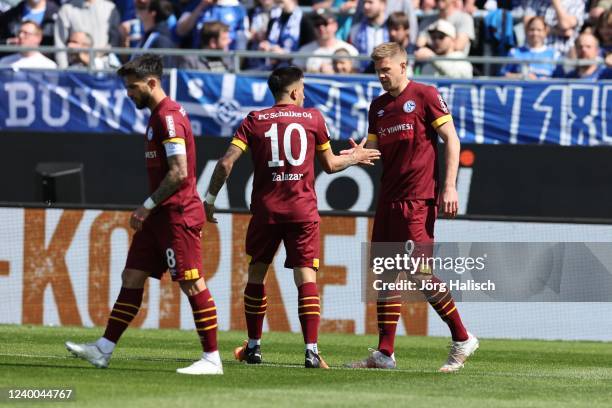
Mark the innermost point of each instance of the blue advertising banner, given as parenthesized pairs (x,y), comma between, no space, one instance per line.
(485,111)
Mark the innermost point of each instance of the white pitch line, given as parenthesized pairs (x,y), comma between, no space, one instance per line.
(396,370)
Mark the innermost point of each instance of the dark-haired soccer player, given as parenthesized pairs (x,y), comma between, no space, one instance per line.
(283,140)
(168,224)
(404,123)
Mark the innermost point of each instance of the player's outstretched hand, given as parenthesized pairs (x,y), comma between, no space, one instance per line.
(362,155)
(210,212)
(138,217)
(449,202)
(351,150)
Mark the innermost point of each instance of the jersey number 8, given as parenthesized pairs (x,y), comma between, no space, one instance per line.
(272,133)
(170,258)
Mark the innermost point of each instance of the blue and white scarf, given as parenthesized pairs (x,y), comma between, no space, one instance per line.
(287,35)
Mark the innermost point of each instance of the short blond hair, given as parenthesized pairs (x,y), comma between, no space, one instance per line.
(389,50)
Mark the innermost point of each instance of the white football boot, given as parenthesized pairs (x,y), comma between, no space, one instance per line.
(375,360)
(459,353)
(204,366)
(89,352)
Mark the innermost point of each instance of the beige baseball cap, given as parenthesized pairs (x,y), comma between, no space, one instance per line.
(443,26)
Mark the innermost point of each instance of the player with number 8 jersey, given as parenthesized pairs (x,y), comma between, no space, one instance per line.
(168,224)
(283,141)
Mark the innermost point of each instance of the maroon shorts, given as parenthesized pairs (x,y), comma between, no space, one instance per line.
(162,246)
(400,221)
(301,241)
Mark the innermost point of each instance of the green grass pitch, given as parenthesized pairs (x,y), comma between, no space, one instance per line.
(502,373)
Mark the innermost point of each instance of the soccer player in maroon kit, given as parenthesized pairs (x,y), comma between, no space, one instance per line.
(168,224)
(284,141)
(404,123)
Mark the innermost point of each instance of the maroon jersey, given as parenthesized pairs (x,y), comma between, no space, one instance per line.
(405,129)
(169,124)
(283,140)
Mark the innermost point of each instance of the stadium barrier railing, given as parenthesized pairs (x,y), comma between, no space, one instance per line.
(236,57)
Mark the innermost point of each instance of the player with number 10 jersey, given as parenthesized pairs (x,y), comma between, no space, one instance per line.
(283,188)
(283,141)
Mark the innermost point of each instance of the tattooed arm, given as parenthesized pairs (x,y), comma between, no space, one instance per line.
(177,174)
(221,173)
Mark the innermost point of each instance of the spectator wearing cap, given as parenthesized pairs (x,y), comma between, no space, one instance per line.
(42,12)
(326,44)
(370,31)
(398,25)
(450,10)
(443,34)
(564,17)
(214,36)
(587,47)
(343,65)
(29,35)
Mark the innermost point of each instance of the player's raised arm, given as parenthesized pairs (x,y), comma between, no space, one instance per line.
(449,199)
(358,155)
(220,174)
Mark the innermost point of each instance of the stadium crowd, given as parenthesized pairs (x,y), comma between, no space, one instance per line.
(522,29)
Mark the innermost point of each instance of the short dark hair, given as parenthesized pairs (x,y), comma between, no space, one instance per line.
(212,30)
(162,8)
(398,19)
(143,66)
(282,78)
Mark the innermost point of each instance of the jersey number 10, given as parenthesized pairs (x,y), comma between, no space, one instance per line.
(272,133)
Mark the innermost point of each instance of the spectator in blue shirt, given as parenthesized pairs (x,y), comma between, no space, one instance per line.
(587,47)
(156,31)
(42,12)
(371,30)
(564,17)
(133,26)
(229,12)
(259,18)
(536,32)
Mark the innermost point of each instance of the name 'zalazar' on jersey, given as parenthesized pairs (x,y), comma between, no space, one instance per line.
(287,176)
